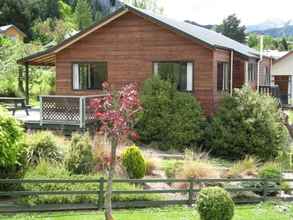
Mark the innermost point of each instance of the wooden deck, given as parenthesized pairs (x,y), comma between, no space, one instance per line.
(67,113)
(34,115)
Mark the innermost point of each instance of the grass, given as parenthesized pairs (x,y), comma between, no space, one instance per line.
(267,211)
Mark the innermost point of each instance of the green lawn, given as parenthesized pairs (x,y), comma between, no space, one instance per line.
(267,211)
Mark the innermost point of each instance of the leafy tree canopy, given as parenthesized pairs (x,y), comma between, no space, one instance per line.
(151,5)
(231,27)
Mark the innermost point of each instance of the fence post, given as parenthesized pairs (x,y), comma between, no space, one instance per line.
(190,193)
(265,188)
(101,193)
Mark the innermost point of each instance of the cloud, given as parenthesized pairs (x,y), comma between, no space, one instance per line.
(214,11)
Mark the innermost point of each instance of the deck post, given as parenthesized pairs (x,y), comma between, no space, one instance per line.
(231,71)
(27,83)
(81,111)
(41,111)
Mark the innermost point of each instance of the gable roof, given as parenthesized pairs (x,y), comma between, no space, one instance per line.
(288,53)
(208,37)
(7,27)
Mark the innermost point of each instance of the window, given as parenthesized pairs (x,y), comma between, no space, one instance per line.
(89,76)
(223,76)
(252,71)
(180,73)
(267,76)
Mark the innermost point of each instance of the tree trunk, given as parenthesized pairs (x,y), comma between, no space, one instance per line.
(108,194)
(287,124)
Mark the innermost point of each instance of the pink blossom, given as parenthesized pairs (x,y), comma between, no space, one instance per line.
(117,110)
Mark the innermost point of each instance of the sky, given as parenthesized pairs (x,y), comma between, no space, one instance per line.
(214,11)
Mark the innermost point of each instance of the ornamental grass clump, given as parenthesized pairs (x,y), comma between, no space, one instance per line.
(214,203)
(42,146)
(246,167)
(80,159)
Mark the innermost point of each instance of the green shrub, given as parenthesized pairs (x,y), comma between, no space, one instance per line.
(134,162)
(214,203)
(286,187)
(49,170)
(80,158)
(11,148)
(170,118)
(172,167)
(271,170)
(11,135)
(42,146)
(247,123)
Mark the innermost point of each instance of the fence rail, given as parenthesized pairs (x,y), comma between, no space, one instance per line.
(8,199)
(67,110)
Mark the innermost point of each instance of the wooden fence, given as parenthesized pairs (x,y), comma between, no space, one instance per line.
(187,196)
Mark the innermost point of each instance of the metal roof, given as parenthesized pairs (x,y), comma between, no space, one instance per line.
(207,36)
(5,28)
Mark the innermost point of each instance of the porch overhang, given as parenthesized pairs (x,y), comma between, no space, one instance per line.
(39,59)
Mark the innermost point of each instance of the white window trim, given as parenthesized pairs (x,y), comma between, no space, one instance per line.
(189,80)
(75,78)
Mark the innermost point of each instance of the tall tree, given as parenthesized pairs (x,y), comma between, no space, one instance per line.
(283,45)
(23,13)
(117,113)
(253,41)
(151,5)
(82,14)
(231,27)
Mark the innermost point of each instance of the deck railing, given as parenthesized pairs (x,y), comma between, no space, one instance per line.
(9,200)
(270,90)
(67,110)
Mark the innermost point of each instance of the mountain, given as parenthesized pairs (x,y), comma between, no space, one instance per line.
(273,27)
(277,32)
(268,24)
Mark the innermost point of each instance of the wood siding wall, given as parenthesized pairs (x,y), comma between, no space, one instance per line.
(130,45)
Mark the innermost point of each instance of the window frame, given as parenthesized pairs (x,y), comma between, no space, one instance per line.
(252,76)
(268,76)
(227,64)
(178,62)
(88,63)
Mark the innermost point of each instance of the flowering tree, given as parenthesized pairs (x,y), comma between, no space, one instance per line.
(117,112)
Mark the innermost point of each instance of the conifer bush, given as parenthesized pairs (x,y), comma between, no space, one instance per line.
(247,123)
(134,162)
(170,118)
(80,159)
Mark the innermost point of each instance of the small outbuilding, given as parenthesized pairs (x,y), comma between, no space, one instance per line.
(12,32)
(282,75)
